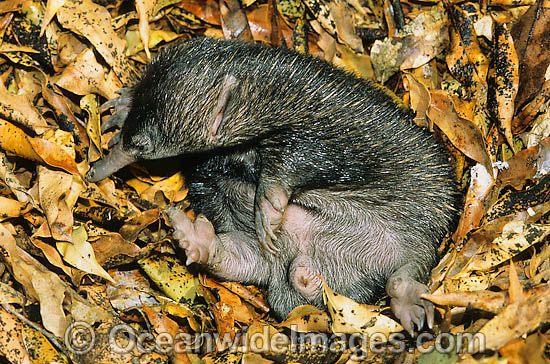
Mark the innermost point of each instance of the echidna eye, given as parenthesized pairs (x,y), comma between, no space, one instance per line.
(142,144)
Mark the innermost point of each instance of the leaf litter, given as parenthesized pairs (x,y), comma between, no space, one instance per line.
(101,255)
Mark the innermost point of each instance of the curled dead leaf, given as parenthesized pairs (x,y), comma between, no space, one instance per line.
(461,132)
(350,317)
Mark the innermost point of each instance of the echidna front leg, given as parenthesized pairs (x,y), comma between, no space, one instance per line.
(197,238)
(232,256)
(122,105)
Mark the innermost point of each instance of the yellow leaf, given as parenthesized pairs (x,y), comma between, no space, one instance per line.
(171,187)
(89,104)
(350,317)
(12,208)
(51,9)
(39,347)
(516,237)
(171,276)
(11,342)
(10,295)
(135,44)
(80,254)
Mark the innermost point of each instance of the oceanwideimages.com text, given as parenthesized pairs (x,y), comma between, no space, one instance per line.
(80,338)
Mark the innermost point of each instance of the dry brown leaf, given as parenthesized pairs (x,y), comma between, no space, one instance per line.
(470,283)
(132,291)
(171,276)
(307,318)
(250,294)
(105,193)
(207,10)
(326,42)
(51,9)
(528,205)
(253,358)
(322,14)
(15,141)
(540,130)
(468,109)
(229,301)
(70,47)
(461,132)
(93,22)
(517,319)
(54,97)
(163,325)
(345,25)
(86,76)
(357,63)
(488,301)
(526,351)
(40,348)
(185,312)
(172,187)
(135,44)
(532,39)
(538,261)
(234,22)
(516,237)
(419,41)
(104,352)
(10,295)
(39,282)
(53,256)
(428,37)
(350,317)
(259,21)
(11,341)
(506,77)
(54,153)
(19,109)
(134,226)
(11,181)
(466,61)
(515,291)
(420,100)
(58,192)
(519,169)
(511,3)
(12,208)
(80,254)
(145,11)
(90,105)
(260,335)
(481,183)
(29,83)
(225,323)
(111,248)
(537,105)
